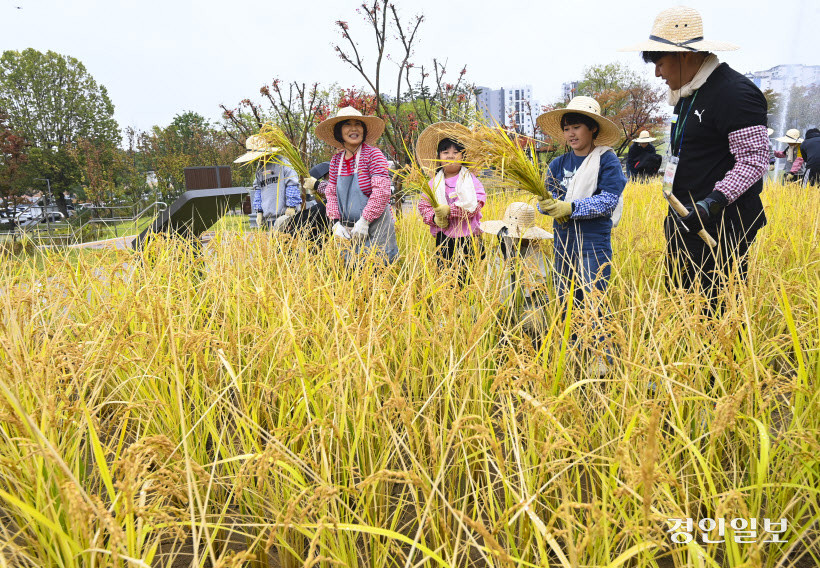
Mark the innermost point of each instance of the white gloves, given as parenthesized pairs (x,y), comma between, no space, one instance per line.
(290,211)
(360,229)
(340,231)
(259,219)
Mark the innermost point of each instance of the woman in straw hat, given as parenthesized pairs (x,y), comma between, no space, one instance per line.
(718,151)
(358,188)
(587,185)
(276,184)
(522,263)
(642,160)
(455,222)
(794,158)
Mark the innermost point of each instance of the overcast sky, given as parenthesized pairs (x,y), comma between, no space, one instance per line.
(158,58)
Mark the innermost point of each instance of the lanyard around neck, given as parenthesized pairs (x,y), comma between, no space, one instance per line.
(678,138)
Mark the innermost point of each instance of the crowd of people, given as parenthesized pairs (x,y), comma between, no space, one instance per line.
(718,153)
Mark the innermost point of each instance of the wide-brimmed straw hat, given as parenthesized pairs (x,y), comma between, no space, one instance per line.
(519,219)
(375,126)
(679,29)
(644,137)
(257,147)
(550,122)
(792,137)
(427,144)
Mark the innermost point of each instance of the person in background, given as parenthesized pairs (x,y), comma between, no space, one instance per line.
(276,193)
(718,153)
(794,159)
(358,188)
(455,223)
(810,148)
(312,221)
(642,160)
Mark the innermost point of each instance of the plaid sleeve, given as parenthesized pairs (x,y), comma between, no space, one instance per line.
(426,210)
(798,163)
(599,205)
(750,147)
(457,212)
(379,197)
(293,195)
(332,204)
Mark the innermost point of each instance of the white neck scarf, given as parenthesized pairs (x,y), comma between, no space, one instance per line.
(706,68)
(465,190)
(585,181)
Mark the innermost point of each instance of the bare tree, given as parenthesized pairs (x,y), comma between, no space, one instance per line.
(404,112)
(294,109)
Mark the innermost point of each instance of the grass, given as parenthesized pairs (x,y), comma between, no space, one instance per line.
(259,405)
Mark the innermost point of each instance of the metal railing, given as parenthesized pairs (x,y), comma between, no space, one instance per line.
(80,228)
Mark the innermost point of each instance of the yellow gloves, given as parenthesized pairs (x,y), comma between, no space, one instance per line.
(290,211)
(259,219)
(559,210)
(544,203)
(442,217)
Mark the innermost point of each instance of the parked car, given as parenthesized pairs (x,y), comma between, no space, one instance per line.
(53,217)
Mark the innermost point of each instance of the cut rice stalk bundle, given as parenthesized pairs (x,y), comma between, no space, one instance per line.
(494,148)
(275,137)
(415,179)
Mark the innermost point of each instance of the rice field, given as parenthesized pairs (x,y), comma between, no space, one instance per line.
(259,405)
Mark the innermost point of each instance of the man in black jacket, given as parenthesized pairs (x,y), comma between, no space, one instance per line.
(810,149)
(642,161)
(718,153)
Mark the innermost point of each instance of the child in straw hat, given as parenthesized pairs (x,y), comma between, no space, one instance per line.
(455,221)
(358,188)
(587,184)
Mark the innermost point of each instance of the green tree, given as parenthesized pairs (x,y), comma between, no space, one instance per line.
(627,99)
(190,140)
(53,102)
(12,158)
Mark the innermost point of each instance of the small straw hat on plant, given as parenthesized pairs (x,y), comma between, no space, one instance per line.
(519,219)
(679,29)
(550,122)
(375,126)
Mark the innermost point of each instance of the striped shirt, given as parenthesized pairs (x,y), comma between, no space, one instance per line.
(372,163)
(374,181)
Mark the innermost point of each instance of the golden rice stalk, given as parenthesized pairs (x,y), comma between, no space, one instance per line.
(274,136)
(415,179)
(493,147)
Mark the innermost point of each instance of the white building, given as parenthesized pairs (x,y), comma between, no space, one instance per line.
(510,105)
(568,89)
(781,78)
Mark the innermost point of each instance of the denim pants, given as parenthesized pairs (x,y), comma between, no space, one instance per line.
(583,257)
